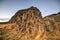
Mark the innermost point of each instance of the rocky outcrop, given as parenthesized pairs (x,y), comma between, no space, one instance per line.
(28,24)
(26,14)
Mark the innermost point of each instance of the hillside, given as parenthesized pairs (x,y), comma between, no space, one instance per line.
(53,26)
(28,24)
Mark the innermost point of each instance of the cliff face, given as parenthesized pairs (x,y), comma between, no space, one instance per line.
(53,26)
(26,14)
(28,24)
(28,18)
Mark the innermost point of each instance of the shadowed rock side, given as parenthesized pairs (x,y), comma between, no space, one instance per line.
(53,26)
(30,25)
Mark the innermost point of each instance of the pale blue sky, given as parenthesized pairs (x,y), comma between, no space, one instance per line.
(9,7)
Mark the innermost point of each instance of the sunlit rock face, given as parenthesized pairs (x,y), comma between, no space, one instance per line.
(29,24)
(53,26)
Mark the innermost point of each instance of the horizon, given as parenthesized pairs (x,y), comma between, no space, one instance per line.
(47,7)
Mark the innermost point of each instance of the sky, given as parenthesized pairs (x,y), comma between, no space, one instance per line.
(9,7)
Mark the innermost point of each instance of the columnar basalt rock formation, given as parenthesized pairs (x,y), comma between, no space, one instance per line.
(28,24)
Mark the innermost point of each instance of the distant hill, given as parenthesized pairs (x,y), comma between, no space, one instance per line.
(4,19)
